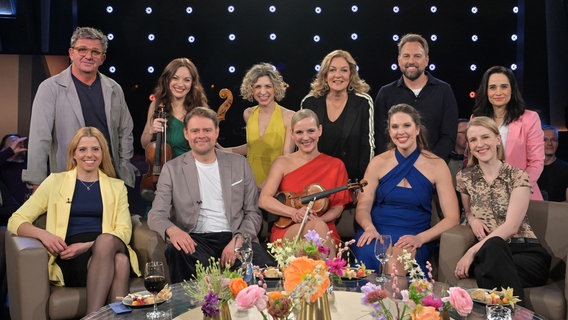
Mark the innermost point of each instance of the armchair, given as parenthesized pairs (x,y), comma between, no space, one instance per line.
(549,221)
(32,296)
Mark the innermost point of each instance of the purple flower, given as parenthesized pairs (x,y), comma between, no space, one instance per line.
(369,287)
(210,306)
(431,301)
(313,237)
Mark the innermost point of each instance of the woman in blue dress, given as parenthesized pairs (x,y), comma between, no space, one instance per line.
(398,198)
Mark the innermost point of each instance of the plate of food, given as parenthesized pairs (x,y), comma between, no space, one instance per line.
(491,296)
(357,272)
(145,298)
(272,273)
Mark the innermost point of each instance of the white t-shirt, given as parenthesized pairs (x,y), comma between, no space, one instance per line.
(212,216)
(504,131)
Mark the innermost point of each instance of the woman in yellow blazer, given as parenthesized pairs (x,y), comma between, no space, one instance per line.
(88,225)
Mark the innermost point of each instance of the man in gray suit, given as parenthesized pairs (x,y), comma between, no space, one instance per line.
(204,198)
(79,96)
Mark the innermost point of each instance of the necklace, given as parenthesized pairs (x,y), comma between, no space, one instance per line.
(88,186)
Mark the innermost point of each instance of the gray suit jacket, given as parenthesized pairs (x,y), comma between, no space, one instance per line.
(57,115)
(178,198)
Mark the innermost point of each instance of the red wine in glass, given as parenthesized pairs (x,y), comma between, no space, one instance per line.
(154,284)
(154,281)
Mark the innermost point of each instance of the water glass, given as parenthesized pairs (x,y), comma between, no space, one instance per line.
(383,253)
(498,312)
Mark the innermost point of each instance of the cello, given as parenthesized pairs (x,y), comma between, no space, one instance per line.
(157,153)
(228,96)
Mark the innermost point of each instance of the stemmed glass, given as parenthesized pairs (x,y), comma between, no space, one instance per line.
(383,253)
(154,281)
(243,251)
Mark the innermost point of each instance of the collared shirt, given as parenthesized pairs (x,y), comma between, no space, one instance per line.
(437,106)
(489,202)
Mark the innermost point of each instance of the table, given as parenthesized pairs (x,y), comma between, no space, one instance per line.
(179,306)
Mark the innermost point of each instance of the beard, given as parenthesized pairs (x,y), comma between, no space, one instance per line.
(412,75)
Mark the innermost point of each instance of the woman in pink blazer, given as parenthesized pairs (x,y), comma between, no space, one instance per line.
(499,98)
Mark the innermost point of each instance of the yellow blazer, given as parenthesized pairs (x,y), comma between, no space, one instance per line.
(53,196)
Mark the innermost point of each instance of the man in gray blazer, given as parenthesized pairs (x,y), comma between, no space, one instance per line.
(204,198)
(77,97)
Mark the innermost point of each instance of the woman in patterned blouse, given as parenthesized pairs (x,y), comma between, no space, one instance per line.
(496,196)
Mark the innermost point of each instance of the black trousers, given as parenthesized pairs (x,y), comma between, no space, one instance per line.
(517,265)
(182,266)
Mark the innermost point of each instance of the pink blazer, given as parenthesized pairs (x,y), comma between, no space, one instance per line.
(524,148)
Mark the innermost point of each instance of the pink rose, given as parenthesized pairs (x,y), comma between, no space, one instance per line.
(252,296)
(460,300)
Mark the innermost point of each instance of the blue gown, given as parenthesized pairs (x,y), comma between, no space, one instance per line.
(400,211)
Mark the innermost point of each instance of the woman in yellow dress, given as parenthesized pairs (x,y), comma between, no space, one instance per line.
(268,123)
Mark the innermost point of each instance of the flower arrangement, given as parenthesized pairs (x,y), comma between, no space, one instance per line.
(307,272)
(306,280)
(419,301)
(311,246)
(213,286)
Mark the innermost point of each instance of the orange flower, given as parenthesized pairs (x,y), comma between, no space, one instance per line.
(297,271)
(425,313)
(236,285)
(273,295)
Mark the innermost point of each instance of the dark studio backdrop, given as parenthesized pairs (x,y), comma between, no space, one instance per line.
(224,38)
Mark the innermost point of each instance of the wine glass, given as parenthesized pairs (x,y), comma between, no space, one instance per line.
(243,251)
(154,281)
(383,253)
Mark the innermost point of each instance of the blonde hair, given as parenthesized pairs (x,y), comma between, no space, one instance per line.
(303,114)
(490,124)
(106,162)
(319,86)
(261,70)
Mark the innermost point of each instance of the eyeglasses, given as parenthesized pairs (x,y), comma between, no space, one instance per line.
(82,51)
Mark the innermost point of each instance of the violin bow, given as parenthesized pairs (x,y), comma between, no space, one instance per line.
(308,208)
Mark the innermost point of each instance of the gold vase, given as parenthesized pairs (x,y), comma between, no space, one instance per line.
(318,310)
(224,314)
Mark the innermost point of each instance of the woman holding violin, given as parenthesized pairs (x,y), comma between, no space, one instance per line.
(295,172)
(179,90)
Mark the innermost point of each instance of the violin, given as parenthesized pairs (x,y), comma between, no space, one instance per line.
(313,192)
(157,153)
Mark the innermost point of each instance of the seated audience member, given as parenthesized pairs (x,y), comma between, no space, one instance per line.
(203,199)
(7,204)
(12,162)
(553,181)
(496,196)
(88,225)
(294,172)
(456,162)
(398,198)
(457,155)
